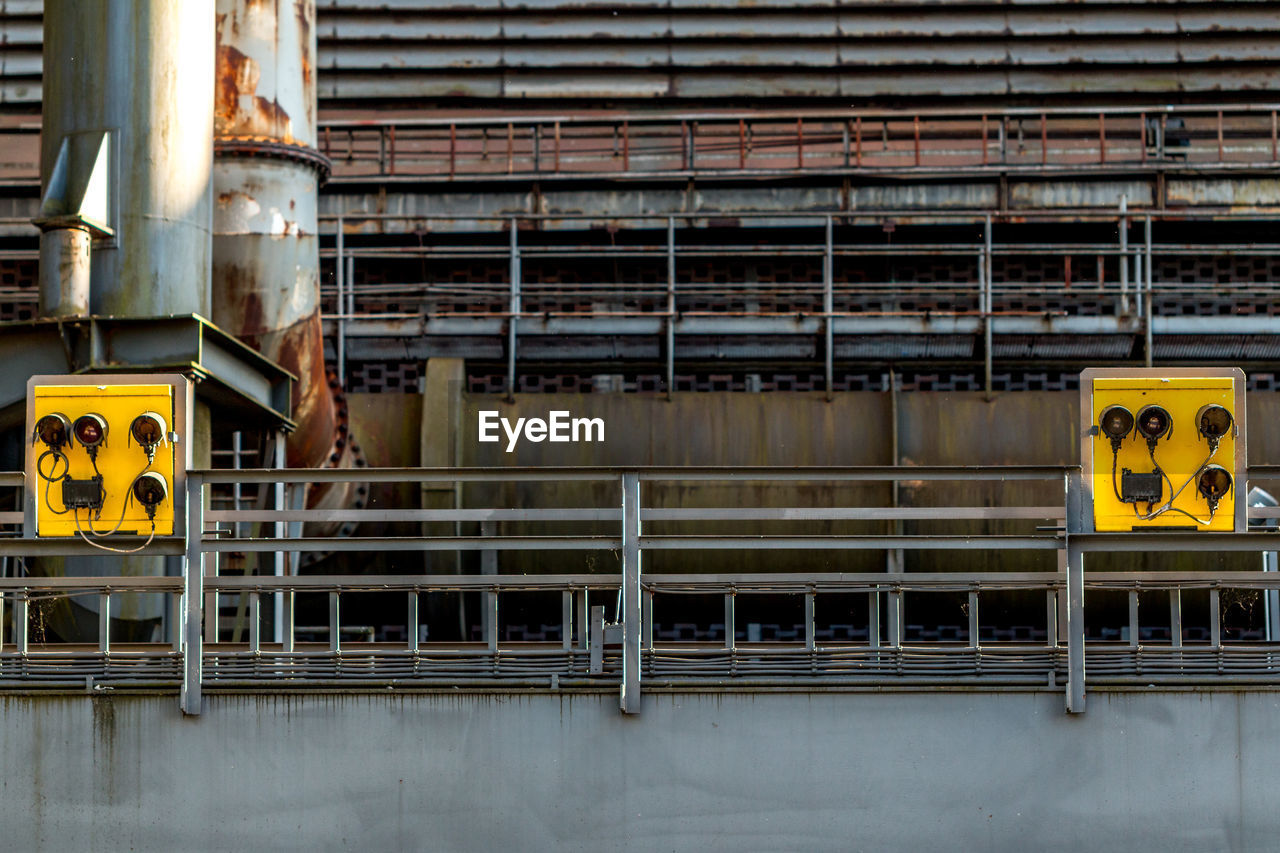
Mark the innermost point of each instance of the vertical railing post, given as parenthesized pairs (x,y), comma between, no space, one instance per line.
(177,620)
(974,638)
(335,621)
(828,307)
(985,302)
(1133,618)
(284,623)
(255,622)
(22,622)
(104,622)
(1215,619)
(646,620)
(1075,597)
(514,309)
(1147,298)
(278,565)
(1124,254)
(810,613)
(873,618)
(566,620)
(894,607)
(489,619)
(339,271)
(1175,618)
(730,620)
(193,583)
(411,620)
(671,305)
(631,594)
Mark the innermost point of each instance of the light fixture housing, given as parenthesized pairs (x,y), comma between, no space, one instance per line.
(1154,423)
(90,430)
(148,430)
(1116,422)
(54,430)
(1213,483)
(1214,422)
(150,490)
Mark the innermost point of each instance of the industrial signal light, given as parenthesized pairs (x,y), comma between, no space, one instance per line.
(91,431)
(1116,423)
(1213,483)
(150,490)
(148,429)
(53,429)
(1154,423)
(1213,421)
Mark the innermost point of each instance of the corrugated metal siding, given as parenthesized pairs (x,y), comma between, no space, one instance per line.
(578,50)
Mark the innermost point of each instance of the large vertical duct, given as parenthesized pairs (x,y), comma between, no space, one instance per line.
(266,262)
(141,70)
(128,89)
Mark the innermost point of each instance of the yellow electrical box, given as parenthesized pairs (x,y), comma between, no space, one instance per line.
(101,458)
(1164,449)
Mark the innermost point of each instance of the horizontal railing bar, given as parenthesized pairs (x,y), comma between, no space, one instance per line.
(441,543)
(834,542)
(556,474)
(405,475)
(868,472)
(21,547)
(375,583)
(851,513)
(1169,541)
(1085,113)
(655,514)
(123,583)
(318,515)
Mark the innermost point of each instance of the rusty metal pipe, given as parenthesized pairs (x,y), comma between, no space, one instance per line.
(64,272)
(266,261)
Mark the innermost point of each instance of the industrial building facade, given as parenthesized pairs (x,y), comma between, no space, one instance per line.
(825,275)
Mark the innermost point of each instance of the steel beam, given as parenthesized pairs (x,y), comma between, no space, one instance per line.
(631,594)
(193,579)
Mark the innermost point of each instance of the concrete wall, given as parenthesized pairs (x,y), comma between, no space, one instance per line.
(1145,770)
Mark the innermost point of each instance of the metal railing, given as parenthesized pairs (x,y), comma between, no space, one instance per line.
(1137,285)
(1047,650)
(786,142)
(655,143)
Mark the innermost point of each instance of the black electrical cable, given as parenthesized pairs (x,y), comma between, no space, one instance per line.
(52,476)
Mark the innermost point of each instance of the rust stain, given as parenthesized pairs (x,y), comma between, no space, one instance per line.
(237,81)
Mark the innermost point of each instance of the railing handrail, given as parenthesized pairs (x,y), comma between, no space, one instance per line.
(782,114)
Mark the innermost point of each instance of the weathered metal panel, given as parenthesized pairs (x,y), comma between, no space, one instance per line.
(924,196)
(1049,194)
(1230,192)
(553,770)
(885,49)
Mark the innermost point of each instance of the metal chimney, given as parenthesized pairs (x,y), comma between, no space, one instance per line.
(266,261)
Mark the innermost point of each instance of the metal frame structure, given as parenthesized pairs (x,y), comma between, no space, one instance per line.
(196,657)
(1116,315)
